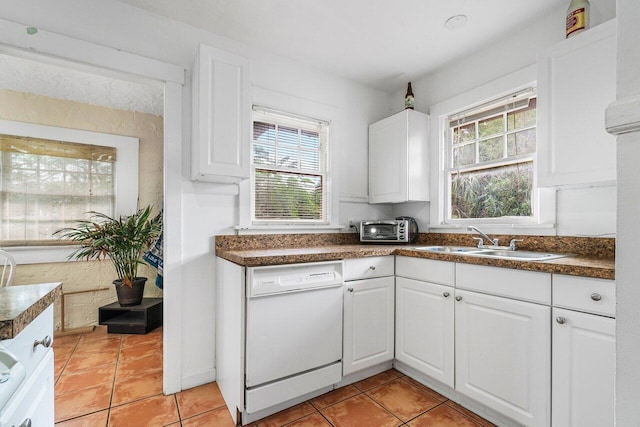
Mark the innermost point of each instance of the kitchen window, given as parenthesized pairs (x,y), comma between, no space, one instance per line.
(490,153)
(50,177)
(289,169)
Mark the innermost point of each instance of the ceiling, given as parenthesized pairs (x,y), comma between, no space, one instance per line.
(380,43)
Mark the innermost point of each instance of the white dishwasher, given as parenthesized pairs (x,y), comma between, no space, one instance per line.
(293,331)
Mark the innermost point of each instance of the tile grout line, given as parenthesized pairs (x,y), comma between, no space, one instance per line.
(461,413)
(115,373)
(65,363)
(175,398)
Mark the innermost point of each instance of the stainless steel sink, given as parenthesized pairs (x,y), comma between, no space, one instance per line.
(448,249)
(517,255)
(492,253)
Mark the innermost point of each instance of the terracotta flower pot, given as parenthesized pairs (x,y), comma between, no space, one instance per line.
(128,296)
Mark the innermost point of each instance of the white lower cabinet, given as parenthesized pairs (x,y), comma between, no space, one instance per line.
(424,328)
(368,317)
(583,352)
(583,369)
(481,332)
(503,355)
(33,403)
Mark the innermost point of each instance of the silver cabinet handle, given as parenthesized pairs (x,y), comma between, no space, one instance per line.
(350,289)
(596,297)
(561,320)
(46,342)
(445,294)
(26,423)
(372,267)
(458,298)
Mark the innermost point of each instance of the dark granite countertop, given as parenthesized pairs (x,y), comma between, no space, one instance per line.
(20,304)
(576,265)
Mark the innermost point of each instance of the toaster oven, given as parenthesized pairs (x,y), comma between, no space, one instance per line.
(399,230)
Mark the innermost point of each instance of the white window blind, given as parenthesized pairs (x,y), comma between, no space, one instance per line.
(48,184)
(490,159)
(289,166)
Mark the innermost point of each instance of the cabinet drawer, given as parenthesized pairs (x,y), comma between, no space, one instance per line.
(367,268)
(596,296)
(22,345)
(525,285)
(427,270)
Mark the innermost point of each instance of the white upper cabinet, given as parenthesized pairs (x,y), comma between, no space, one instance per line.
(221,116)
(576,83)
(398,158)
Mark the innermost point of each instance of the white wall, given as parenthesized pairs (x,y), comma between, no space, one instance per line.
(579,211)
(627,117)
(210,209)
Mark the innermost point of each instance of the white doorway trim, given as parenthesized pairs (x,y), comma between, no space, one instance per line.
(86,56)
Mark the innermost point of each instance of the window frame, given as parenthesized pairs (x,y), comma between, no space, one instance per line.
(280,118)
(307,108)
(543,222)
(125,184)
(449,169)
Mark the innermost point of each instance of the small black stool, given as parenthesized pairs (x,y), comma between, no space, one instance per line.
(136,319)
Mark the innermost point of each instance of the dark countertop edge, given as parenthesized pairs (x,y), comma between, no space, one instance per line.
(41,296)
(571,265)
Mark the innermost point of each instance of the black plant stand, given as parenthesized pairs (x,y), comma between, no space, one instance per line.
(136,319)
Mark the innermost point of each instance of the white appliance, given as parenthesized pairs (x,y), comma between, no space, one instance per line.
(293,331)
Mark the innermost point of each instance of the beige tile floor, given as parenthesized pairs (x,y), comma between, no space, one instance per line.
(116,380)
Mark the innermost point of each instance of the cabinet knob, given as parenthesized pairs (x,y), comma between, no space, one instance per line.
(445,294)
(372,267)
(46,342)
(561,320)
(458,298)
(596,297)
(350,289)
(26,423)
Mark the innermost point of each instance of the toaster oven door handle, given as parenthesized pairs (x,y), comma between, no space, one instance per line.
(379,222)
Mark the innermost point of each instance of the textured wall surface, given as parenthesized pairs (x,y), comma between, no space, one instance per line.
(82,309)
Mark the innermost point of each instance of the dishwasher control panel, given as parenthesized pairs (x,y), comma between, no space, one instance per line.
(277,279)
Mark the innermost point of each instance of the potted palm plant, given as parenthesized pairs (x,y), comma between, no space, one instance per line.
(123,240)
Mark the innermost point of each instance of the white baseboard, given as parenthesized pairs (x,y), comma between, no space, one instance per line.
(198,379)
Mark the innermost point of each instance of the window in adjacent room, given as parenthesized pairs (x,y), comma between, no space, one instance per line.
(47,184)
(490,160)
(289,169)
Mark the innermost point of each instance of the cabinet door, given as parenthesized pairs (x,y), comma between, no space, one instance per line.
(576,83)
(424,328)
(221,116)
(388,160)
(503,355)
(33,403)
(368,323)
(583,369)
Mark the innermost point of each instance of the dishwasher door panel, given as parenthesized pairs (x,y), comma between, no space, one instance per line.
(292,333)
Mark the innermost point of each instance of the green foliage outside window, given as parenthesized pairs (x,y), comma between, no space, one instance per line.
(281,195)
(493,193)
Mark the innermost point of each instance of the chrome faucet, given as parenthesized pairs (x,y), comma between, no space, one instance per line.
(494,242)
